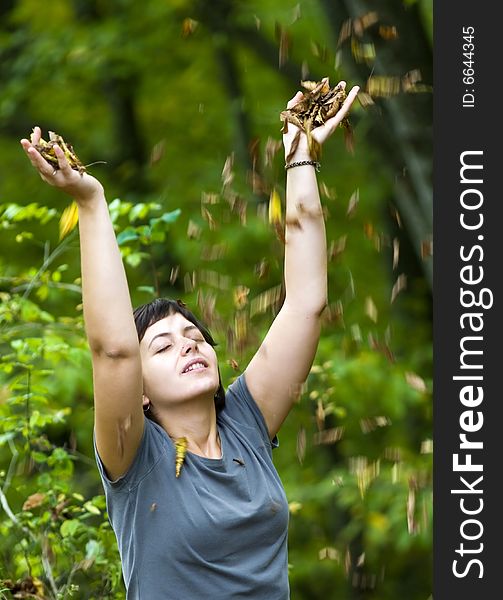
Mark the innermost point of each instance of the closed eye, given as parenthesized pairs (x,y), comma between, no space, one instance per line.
(163,349)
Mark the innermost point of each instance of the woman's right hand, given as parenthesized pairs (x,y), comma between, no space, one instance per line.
(82,187)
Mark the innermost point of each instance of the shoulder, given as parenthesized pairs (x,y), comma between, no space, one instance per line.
(154,444)
(242,407)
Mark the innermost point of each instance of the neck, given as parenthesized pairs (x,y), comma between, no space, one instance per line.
(197,422)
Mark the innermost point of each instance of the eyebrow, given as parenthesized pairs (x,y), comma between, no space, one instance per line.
(168,333)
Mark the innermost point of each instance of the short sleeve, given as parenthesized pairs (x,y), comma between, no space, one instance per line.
(153,446)
(241,407)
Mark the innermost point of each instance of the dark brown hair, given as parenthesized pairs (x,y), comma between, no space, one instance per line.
(148,314)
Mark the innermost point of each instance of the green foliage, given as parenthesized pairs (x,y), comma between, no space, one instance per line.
(170,94)
(52,534)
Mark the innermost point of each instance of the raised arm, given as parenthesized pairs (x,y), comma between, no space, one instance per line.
(108,315)
(283,361)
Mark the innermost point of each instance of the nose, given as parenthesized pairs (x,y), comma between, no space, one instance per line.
(188,346)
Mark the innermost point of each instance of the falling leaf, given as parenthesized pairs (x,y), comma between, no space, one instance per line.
(328,436)
(426,248)
(370,309)
(364,22)
(330,553)
(294,507)
(234,364)
(181,451)
(396,252)
(173,276)
(274,207)
(301,444)
(363,53)
(193,230)
(415,382)
(345,32)
(241,296)
(353,203)
(383,86)
(157,152)
(400,284)
(208,217)
(227,173)
(337,247)
(272,147)
(68,220)
(283,38)
(188,27)
(388,32)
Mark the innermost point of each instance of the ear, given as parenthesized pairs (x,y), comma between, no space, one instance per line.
(145,401)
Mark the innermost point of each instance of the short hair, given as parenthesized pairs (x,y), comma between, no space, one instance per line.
(151,312)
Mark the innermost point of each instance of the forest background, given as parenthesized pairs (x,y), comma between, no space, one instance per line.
(181,101)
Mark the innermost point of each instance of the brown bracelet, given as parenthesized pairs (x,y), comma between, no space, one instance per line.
(300,163)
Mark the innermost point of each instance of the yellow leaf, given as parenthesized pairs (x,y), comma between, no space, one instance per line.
(181,450)
(274,207)
(69,220)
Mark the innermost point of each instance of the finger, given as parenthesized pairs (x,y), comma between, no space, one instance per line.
(39,162)
(36,135)
(332,123)
(62,161)
(295,100)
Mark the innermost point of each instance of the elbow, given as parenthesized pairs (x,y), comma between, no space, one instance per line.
(114,351)
(313,309)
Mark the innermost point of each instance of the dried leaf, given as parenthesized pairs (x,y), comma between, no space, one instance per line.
(396,252)
(227,173)
(301,444)
(283,37)
(188,27)
(353,203)
(388,32)
(364,22)
(181,450)
(400,284)
(241,296)
(34,500)
(46,149)
(370,309)
(415,382)
(426,248)
(319,103)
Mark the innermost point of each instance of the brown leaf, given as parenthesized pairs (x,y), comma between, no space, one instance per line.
(400,284)
(34,500)
(46,149)
(301,444)
(319,103)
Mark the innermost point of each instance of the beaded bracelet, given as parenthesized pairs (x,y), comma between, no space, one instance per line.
(315,164)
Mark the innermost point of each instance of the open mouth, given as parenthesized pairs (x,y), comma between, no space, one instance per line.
(195,365)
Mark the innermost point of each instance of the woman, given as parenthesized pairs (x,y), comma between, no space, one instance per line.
(216,525)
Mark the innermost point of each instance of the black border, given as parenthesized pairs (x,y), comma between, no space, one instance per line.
(458,129)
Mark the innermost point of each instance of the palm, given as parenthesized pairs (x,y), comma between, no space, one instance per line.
(321,133)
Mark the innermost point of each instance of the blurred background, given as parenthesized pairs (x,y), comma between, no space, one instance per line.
(178,105)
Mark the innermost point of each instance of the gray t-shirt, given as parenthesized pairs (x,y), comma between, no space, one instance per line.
(219,531)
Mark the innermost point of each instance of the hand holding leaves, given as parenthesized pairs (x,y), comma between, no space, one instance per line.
(313,116)
(52,161)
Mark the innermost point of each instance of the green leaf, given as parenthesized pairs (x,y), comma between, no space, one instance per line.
(69,528)
(90,507)
(127,235)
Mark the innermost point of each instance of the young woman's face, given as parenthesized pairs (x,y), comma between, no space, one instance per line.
(177,363)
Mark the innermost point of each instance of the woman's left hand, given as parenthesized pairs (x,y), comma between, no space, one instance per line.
(321,133)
